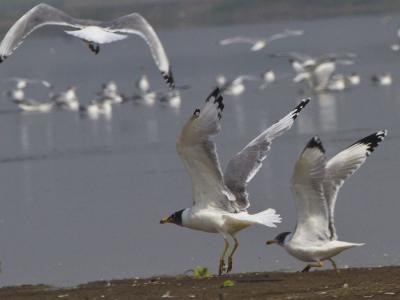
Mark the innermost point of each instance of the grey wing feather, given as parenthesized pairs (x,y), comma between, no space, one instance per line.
(199,155)
(136,24)
(244,165)
(307,188)
(38,16)
(342,166)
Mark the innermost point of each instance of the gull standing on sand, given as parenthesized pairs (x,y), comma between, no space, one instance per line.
(259,43)
(315,184)
(220,201)
(91,32)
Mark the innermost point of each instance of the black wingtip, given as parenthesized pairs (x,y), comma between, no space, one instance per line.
(215,94)
(315,142)
(299,107)
(216,97)
(2,58)
(169,79)
(372,141)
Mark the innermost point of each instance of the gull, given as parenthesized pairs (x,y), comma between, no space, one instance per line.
(315,185)
(384,79)
(301,62)
(396,47)
(96,108)
(110,93)
(143,84)
(220,201)
(67,99)
(341,82)
(268,77)
(260,43)
(354,78)
(18,97)
(234,87)
(171,98)
(91,32)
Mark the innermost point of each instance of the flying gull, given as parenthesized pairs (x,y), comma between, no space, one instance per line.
(92,32)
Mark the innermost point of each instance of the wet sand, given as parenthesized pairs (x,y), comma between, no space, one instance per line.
(360,283)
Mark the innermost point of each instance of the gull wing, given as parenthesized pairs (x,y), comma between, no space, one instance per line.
(342,166)
(285,34)
(322,74)
(307,188)
(136,24)
(244,165)
(238,39)
(199,155)
(40,15)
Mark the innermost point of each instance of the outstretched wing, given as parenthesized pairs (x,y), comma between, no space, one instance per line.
(136,24)
(38,16)
(199,155)
(308,191)
(285,34)
(237,40)
(342,166)
(244,165)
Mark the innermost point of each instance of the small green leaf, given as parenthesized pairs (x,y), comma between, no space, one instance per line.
(200,272)
(228,284)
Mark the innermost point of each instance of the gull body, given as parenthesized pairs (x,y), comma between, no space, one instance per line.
(91,32)
(234,87)
(97,108)
(67,99)
(267,77)
(34,106)
(384,79)
(110,93)
(315,185)
(172,98)
(143,84)
(220,201)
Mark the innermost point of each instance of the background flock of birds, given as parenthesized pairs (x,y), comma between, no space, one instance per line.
(220,199)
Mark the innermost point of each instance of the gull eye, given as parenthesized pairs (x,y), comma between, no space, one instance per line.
(196,113)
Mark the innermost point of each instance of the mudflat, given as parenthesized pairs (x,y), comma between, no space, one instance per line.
(354,283)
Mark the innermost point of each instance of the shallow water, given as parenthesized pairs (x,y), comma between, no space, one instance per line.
(81,199)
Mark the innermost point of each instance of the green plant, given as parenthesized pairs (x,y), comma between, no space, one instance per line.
(200,272)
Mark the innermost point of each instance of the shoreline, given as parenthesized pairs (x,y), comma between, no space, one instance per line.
(352,283)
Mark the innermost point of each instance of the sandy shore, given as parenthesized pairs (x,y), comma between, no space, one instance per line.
(363,283)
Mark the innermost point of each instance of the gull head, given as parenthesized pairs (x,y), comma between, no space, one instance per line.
(281,239)
(175,218)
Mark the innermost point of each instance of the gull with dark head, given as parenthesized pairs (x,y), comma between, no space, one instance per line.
(94,33)
(220,200)
(259,43)
(234,87)
(66,99)
(315,184)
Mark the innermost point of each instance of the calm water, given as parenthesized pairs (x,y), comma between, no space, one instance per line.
(81,199)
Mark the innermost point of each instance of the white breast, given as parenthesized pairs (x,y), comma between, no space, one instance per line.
(96,34)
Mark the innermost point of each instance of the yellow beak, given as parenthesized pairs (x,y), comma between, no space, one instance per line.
(270,242)
(165,220)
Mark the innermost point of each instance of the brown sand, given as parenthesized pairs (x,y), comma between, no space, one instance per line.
(363,283)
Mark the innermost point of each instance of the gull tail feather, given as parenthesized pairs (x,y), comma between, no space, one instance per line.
(267,218)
